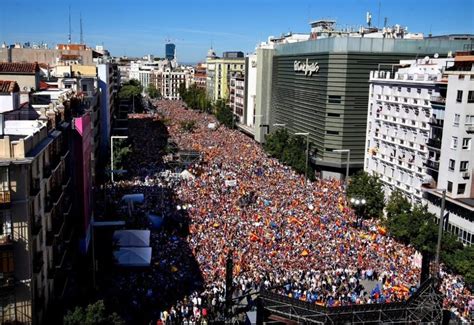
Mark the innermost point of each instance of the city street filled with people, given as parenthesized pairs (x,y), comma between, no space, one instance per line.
(300,238)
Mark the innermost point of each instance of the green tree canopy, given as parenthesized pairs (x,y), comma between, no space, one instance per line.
(288,149)
(224,114)
(152,91)
(368,187)
(94,314)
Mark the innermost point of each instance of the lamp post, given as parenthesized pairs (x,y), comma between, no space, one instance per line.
(306,134)
(348,151)
(440,228)
(112,153)
(358,202)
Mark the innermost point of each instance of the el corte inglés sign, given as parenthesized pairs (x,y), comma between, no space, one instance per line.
(306,67)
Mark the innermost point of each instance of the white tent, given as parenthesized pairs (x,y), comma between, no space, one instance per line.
(136,198)
(136,238)
(186,175)
(133,256)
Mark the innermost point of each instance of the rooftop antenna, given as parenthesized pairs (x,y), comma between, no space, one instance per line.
(378,16)
(69,37)
(80,21)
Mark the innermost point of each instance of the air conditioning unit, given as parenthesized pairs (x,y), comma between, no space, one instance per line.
(466,175)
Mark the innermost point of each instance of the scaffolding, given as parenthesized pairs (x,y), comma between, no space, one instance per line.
(425,305)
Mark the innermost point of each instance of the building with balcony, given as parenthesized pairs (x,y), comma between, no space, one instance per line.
(35,212)
(219,71)
(455,119)
(200,76)
(171,79)
(237,97)
(419,137)
(401,146)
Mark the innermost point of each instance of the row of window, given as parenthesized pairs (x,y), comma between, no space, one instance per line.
(463,166)
(470,96)
(461,188)
(466,143)
(469,121)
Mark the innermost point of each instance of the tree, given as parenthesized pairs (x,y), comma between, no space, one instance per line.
(276,142)
(132,90)
(94,314)
(122,150)
(224,114)
(152,91)
(289,150)
(368,187)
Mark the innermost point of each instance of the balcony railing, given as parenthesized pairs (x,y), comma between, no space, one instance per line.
(47,171)
(438,99)
(48,204)
(36,225)
(38,262)
(35,186)
(434,143)
(432,164)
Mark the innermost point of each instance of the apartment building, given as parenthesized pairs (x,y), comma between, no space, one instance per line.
(454,166)
(398,124)
(219,71)
(237,97)
(419,133)
(36,210)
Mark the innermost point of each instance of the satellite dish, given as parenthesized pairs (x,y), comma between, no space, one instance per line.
(426,59)
(436,55)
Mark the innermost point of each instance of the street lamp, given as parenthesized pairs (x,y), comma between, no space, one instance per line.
(440,227)
(112,153)
(348,151)
(358,202)
(306,134)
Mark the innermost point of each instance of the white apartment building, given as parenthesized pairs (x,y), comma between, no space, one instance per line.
(398,125)
(416,139)
(237,97)
(456,162)
(172,79)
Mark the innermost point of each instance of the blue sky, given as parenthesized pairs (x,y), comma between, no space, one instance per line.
(139,27)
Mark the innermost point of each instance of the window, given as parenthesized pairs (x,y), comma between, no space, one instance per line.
(332,132)
(418,90)
(430,91)
(459,96)
(470,96)
(469,120)
(466,143)
(461,188)
(334,115)
(452,164)
(461,77)
(457,118)
(450,187)
(454,142)
(408,90)
(463,166)
(332,99)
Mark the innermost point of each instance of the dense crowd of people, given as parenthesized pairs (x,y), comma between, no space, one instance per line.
(300,239)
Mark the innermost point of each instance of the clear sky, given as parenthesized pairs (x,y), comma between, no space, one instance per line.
(139,27)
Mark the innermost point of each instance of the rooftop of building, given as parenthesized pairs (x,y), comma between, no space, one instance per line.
(8,87)
(16,67)
(371,45)
(71,47)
